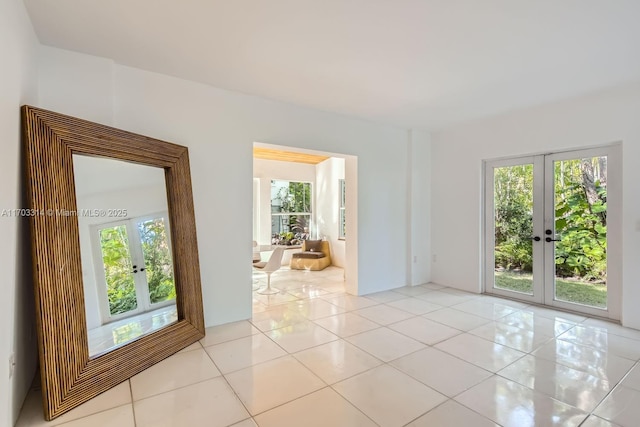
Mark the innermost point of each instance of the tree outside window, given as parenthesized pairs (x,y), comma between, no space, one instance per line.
(290,211)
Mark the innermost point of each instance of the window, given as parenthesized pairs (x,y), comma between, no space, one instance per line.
(290,211)
(342,232)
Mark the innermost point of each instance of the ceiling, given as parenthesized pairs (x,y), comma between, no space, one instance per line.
(287,156)
(423,64)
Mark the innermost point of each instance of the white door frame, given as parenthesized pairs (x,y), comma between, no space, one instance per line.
(544,219)
(137,258)
(489,237)
(614,222)
(101,282)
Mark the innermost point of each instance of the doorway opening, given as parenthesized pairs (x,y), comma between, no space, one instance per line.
(551,229)
(301,193)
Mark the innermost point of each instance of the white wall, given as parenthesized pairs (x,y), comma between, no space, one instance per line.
(598,119)
(18,86)
(219,127)
(90,76)
(328,203)
(265,171)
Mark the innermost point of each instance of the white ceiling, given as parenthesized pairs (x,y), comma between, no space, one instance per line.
(413,63)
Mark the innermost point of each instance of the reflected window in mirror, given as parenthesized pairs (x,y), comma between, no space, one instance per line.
(125,246)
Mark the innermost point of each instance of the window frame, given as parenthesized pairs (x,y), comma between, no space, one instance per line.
(280,215)
(342,209)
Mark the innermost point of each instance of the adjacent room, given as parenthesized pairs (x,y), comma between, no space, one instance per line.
(300,205)
(439,201)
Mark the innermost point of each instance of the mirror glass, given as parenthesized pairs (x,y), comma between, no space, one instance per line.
(125,248)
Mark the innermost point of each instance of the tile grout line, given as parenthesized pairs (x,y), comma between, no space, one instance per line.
(230,387)
(389,364)
(133,407)
(493,320)
(615,387)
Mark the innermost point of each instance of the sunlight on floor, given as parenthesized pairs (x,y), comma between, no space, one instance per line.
(425,355)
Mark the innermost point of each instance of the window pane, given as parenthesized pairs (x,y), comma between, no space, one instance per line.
(580,246)
(290,196)
(290,211)
(157,260)
(289,229)
(116,259)
(279,195)
(513,216)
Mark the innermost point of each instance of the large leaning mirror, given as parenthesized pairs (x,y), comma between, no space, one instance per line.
(125,249)
(115,261)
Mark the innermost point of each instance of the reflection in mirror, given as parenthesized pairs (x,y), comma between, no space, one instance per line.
(69,376)
(125,250)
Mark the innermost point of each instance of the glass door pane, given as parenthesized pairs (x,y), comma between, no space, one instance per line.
(513,228)
(579,241)
(552,230)
(158,262)
(118,269)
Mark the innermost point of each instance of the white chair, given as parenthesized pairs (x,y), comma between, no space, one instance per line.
(274,263)
(256,258)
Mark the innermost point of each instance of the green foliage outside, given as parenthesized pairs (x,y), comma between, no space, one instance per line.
(513,201)
(117,269)
(580,220)
(116,259)
(295,198)
(158,262)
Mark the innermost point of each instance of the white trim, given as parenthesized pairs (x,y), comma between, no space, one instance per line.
(614,241)
(137,258)
(489,237)
(544,219)
(342,209)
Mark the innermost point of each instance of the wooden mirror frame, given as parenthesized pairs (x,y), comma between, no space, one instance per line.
(69,377)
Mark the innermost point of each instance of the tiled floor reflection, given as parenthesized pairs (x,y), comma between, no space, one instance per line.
(116,334)
(421,356)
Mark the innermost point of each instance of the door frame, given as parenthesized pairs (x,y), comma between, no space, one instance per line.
(489,235)
(101,281)
(148,305)
(614,236)
(544,218)
(137,257)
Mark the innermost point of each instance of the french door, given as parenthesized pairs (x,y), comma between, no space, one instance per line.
(552,230)
(134,267)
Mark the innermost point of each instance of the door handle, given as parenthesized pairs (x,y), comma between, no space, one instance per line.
(536,238)
(548,239)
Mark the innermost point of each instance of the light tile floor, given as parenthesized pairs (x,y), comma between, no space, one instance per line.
(116,334)
(420,356)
